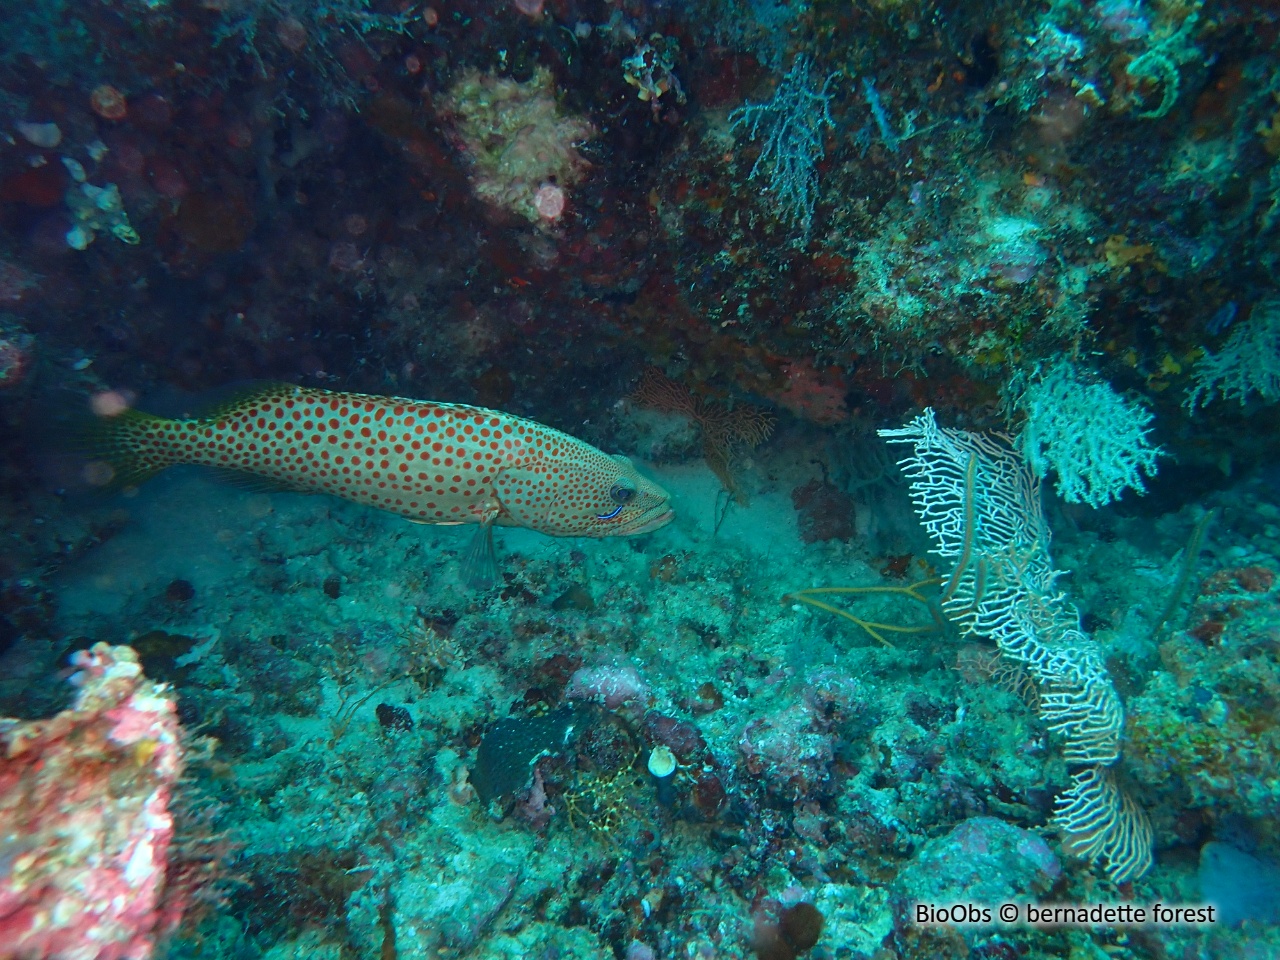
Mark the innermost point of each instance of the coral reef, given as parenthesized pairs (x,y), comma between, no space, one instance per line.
(1204,714)
(829,687)
(516,141)
(87,818)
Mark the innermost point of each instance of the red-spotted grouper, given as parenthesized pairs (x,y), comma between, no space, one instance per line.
(443,463)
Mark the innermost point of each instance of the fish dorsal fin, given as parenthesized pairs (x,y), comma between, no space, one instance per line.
(228,400)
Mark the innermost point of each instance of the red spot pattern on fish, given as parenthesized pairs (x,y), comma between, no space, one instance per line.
(431,462)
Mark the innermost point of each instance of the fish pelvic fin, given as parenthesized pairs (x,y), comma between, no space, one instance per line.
(480,565)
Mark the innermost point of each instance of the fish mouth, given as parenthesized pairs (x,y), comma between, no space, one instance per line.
(652,523)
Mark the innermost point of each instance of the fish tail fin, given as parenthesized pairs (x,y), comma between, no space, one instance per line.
(125,449)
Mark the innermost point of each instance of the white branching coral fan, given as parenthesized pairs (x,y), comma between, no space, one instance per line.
(980,504)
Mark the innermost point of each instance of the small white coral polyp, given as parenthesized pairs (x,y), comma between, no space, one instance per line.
(514,138)
(549,201)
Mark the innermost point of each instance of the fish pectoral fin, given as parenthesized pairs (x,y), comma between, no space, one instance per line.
(480,565)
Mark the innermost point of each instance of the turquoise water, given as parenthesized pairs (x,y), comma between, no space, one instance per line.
(948,333)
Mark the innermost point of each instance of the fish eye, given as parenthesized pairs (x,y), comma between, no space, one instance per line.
(622,492)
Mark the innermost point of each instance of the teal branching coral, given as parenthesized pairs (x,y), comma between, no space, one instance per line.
(980,504)
(1248,363)
(790,127)
(1093,439)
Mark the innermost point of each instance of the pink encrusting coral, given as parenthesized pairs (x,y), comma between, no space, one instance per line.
(784,750)
(85,822)
(611,686)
